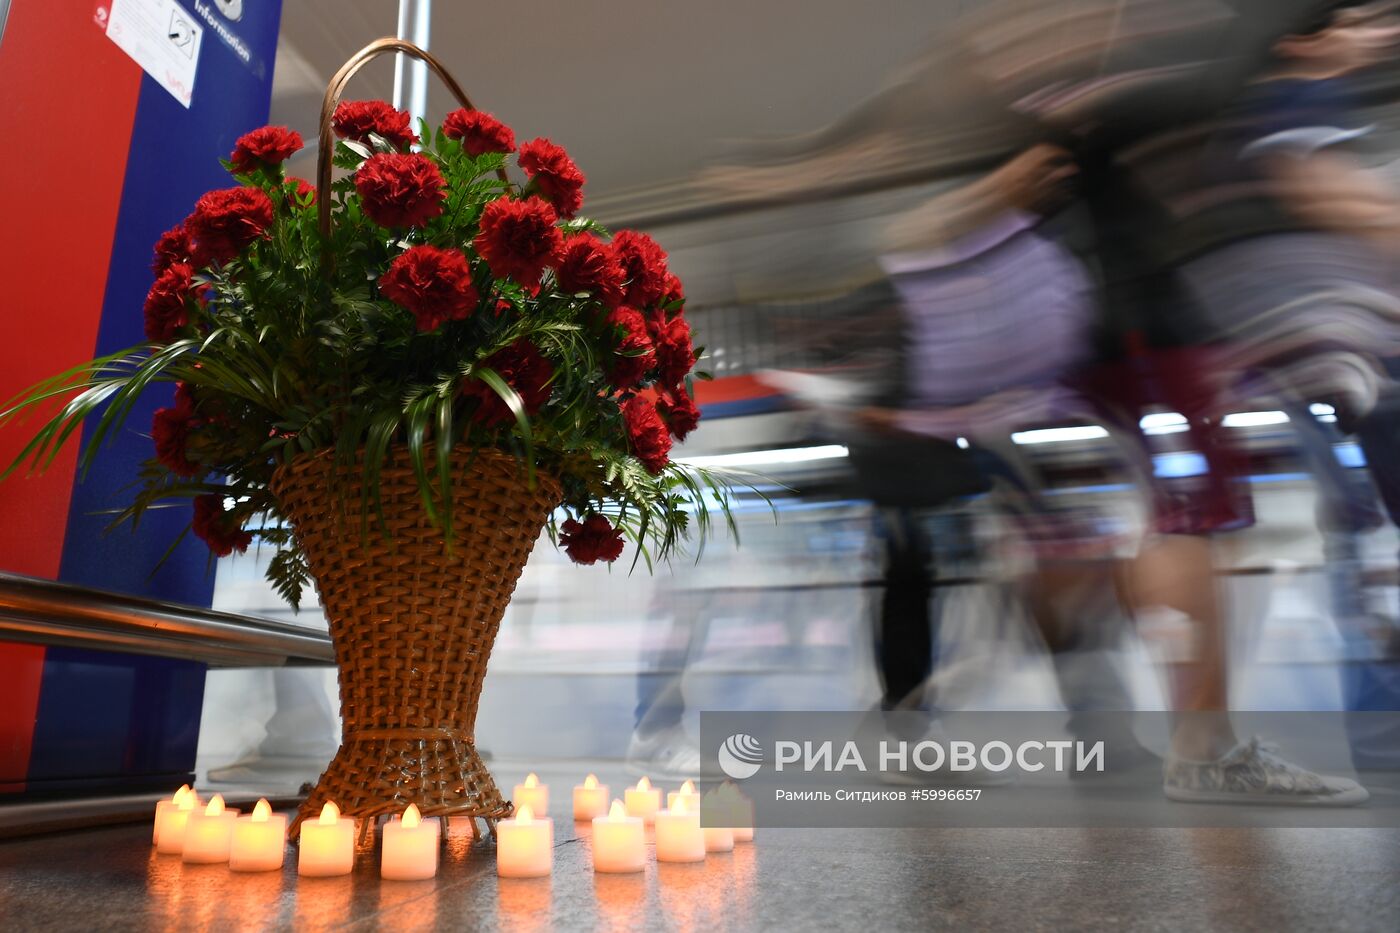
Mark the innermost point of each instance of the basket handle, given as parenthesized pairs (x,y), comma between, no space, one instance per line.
(337,86)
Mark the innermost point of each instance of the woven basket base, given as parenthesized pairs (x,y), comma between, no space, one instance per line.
(372,776)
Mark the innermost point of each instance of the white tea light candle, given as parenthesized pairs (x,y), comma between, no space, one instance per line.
(737,811)
(643,800)
(410,847)
(619,841)
(688,793)
(209,833)
(327,844)
(678,834)
(717,838)
(590,799)
(524,846)
(171,839)
(532,794)
(259,840)
(164,806)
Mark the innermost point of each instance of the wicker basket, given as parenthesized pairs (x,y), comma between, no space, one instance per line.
(413,623)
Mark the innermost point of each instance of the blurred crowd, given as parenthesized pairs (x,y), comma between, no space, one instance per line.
(1190,220)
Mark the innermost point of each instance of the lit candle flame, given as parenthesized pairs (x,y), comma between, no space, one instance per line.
(411,816)
(644,784)
(263,811)
(591,781)
(525,815)
(187,802)
(688,787)
(181,794)
(216,806)
(679,805)
(618,811)
(531,780)
(330,814)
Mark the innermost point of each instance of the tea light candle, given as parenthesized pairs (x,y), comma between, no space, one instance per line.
(688,793)
(327,844)
(524,846)
(532,794)
(259,840)
(209,833)
(736,810)
(619,841)
(590,799)
(410,847)
(717,838)
(643,800)
(165,806)
(171,840)
(678,834)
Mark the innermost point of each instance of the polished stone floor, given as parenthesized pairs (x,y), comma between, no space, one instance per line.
(1135,879)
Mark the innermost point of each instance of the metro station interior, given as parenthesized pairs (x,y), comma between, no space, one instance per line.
(1035,524)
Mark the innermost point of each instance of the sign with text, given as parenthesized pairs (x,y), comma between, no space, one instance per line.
(1019,769)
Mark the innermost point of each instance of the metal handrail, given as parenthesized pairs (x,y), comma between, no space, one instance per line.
(46,612)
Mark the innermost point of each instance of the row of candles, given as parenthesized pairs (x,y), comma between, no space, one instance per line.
(213,833)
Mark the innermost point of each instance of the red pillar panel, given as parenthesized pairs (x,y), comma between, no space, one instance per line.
(68,109)
(21,668)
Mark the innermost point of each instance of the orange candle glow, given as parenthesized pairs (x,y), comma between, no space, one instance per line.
(687,793)
(165,806)
(327,844)
(259,840)
(410,850)
(524,846)
(209,833)
(679,837)
(532,794)
(590,799)
(171,839)
(619,841)
(643,800)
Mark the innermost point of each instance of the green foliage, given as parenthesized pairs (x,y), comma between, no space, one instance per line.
(291,350)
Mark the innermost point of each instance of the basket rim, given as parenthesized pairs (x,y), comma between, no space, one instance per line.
(321,459)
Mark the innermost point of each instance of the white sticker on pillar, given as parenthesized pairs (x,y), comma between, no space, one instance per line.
(161,37)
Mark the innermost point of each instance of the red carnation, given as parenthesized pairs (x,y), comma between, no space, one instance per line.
(356,119)
(651,442)
(525,369)
(593,540)
(674,291)
(227,220)
(266,147)
(679,411)
(479,132)
(587,265)
(400,189)
(675,356)
(172,247)
(554,174)
(165,310)
(216,528)
(305,191)
(519,239)
(644,264)
(633,354)
(170,430)
(434,284)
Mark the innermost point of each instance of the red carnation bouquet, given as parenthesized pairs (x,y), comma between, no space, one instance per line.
(459,298)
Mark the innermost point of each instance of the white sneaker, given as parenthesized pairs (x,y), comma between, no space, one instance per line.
(1251,773)
(668,753)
